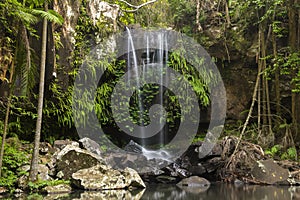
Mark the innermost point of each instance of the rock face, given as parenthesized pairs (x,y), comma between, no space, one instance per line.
(269,172)
(70,11)
(72,159)
(102,177)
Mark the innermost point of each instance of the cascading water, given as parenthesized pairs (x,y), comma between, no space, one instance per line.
(139,70)
(132,65)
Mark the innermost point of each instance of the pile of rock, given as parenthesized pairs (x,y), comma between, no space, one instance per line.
(85,170)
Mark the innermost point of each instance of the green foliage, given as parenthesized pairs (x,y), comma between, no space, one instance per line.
(144,96)
(14,158)
(37,186)
(290,154)
(277,150)
(183,14)
(288,64)
(58,109)
(22,117)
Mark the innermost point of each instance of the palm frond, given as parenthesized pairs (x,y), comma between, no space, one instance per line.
(25,16)
(51,15)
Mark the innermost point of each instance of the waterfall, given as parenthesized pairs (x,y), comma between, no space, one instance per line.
(133,67)
(139,65)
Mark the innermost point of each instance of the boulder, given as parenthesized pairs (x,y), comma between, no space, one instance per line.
(60,144)
(90,145)
(269,172)
(194,184)
(72,159)
(103,177)
(194,181)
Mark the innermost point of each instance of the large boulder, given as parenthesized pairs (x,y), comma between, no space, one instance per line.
(103,177)
(72,158)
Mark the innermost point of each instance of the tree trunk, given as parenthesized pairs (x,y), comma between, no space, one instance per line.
(277,81)
(293,47)
(35,156)
(6,117)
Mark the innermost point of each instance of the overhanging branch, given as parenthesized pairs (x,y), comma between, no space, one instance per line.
(136,7)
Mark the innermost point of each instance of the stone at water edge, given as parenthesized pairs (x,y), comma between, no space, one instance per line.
(102,177)
(194,181)
(194,184)
(269,172)
(55,189)
(133,179)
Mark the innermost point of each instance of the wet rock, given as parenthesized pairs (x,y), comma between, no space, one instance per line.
(90,145)
(133,179)
(72,159)
(102,177)
(194,181)
(194,184)
(133,147)
(175,170)
(269,172)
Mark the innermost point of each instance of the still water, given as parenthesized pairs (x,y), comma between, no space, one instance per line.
(172,192)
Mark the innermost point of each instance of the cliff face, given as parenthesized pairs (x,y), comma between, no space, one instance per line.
(69,10)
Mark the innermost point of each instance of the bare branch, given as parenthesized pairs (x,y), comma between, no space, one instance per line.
(136,7)
(198,16)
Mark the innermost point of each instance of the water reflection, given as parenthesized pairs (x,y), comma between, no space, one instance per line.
(223,191)
(172,192)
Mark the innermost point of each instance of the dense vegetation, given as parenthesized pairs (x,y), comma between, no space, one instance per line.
(264,34)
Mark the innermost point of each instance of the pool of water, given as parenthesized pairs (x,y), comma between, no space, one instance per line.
(172,192)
